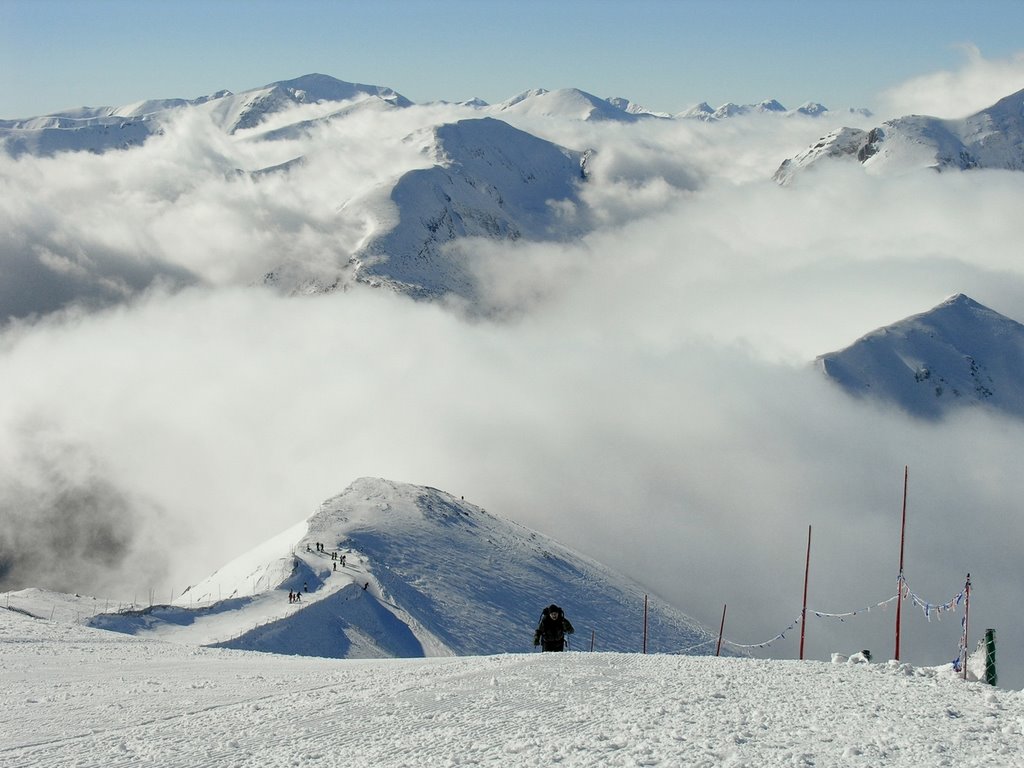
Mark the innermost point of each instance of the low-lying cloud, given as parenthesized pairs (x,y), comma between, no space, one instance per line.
(645,395)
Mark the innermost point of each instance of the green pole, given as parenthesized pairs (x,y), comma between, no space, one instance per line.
(990,656)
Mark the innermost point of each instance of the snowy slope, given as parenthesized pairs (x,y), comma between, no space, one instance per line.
(565,103)
(957,354)
(991,138)
(425,574)
(70,695)
(490,180)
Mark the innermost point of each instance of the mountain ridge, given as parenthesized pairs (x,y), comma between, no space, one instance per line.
(424,574)
(990,138)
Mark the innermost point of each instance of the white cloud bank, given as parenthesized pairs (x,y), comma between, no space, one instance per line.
(647,398)
(978,83)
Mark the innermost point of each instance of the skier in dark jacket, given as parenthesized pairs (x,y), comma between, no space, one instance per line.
(552,629)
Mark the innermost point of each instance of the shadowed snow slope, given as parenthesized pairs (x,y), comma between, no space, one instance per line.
(424,574)
(959,353)
(70,695)
(491,180)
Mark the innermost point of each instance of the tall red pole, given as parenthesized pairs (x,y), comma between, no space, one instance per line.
(645,623)
(803,612)
(899,579)
(721,629)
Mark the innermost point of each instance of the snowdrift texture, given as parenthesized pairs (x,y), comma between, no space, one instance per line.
(70,695)
(424,574)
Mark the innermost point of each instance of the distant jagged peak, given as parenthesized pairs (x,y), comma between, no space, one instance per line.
(633,108)
(702,111)
(811,109)
(729,109)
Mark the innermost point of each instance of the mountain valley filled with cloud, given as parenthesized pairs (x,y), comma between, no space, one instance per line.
(604,329)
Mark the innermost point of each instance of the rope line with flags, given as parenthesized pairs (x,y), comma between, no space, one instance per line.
(927,607)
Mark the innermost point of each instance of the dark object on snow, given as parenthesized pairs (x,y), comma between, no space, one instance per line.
(867,654)
(552,629)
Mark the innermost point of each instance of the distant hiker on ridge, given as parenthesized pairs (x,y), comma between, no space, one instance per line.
(552,629)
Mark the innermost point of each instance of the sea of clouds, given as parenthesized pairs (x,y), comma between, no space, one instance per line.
(646,395)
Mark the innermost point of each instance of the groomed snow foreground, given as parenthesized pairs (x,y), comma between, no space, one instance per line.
(75,696)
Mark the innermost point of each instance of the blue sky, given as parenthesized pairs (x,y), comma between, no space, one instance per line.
(56,54)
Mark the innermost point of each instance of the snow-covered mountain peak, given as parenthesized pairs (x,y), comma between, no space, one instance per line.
(316,87)
(381,503)
(392,569)
(958,353)
(565,103)
(811,109)
(702,111)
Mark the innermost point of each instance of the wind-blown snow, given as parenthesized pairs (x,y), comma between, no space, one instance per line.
(70,695)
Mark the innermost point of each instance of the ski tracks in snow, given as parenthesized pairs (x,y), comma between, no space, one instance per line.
(80,698)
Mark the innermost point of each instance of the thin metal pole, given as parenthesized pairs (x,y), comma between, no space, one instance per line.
(721,629)
(803,612)
(967,617)
(645,623)
(899,579)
